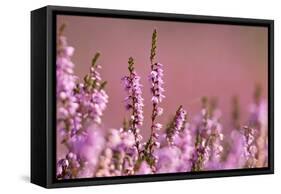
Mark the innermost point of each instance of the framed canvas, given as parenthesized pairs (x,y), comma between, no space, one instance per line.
(126,96)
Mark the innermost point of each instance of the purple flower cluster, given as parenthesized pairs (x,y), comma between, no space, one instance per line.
(175,158)
(134,101)
(236,138)
(258,121)
(67,105)
(250,148)
(177,125)
(156,80)
(184,142)
(91,94)
(86,148)
(79,105)
(233,161)
(216,138)
(67,168)
(119,155)
(208,132)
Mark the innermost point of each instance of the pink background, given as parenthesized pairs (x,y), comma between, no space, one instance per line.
(199,60)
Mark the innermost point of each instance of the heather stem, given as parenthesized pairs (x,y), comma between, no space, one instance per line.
(156,76)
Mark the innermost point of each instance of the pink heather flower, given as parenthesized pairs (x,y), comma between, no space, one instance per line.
(89,150)
(99,101)
(95,75)
(119,155)
(216,138)
(169,159)
(250,147)
(78,107)
(261,124)
(177,125)
(134,101)
(185,143)
(64,67)
(68,118)
(201,152)
(208,143)
(156,80)
(180,119)
(91,95)
(144,169)
(236,138)
(67,166)
(159,111)
(258,121)
(258,110)
(157,126)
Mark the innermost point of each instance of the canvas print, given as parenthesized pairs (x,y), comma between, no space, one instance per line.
(143,97)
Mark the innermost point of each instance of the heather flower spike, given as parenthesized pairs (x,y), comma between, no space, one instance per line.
(156,81)
(67,104)
(215,137)
(134,101)
(92,96)
(258,121)
(176,126)
(250,147)
(200,154)
(68,117)
(79,105)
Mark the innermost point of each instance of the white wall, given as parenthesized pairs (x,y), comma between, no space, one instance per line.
(15,81)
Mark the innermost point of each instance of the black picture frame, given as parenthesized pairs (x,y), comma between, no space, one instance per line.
(43,98)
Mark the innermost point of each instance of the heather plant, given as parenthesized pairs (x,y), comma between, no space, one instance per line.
(68,121)
(176,126)
(208,134)
(91,94)
(184,143)
(67,105)
(250,147)
(216,137)
(258,121)
(79,110)
(173,154)
(201,152)
(134,101)
(236,137)
(156,81)
(119,155)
